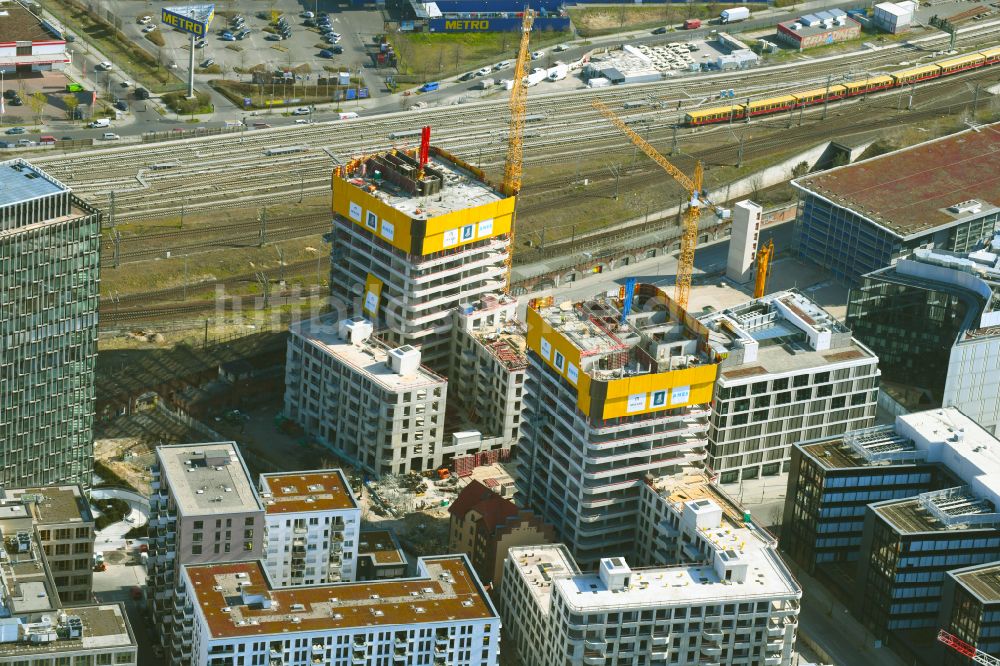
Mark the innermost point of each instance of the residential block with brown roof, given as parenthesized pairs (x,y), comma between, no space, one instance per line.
(485,526)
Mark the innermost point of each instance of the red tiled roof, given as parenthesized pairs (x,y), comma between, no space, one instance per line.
(492,508)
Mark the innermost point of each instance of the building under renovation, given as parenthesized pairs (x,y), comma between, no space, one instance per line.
(864,216)
(416,236)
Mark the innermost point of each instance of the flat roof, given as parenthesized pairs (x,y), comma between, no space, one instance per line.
(27,586)
(982,580)
(380,546)
(17,24)
(53,504)
(105,627)
(237,599)
(810,30)
(908,191)
(207,479)
(460,189)
(291,492)
(19,180)
(782,332)
(370,358)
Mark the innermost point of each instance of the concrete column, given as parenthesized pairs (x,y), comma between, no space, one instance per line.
(191,66)
(743,242)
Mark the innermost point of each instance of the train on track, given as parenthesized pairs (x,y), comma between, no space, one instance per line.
(947,67)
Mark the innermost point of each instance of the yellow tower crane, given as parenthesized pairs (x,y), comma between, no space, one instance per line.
(689,233)
(515,139)
(763,268)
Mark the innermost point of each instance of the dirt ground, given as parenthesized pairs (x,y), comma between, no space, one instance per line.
(126,443)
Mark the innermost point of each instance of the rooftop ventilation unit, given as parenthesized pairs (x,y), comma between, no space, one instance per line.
(967,206)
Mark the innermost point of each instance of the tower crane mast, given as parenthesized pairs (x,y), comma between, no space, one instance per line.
(689,233)
(515,138)
(764,258)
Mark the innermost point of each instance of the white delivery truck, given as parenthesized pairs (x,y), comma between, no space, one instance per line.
(735,15)
(559,72)
(100,122)
(537,76)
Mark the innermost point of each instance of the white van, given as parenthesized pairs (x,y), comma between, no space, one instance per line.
(100,122)
(348,115)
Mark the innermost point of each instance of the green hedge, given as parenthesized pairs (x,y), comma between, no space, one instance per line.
(112,511)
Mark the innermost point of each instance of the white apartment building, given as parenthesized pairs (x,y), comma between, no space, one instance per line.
(720,593)
(488,364)
(313,520)
(376,407)
(610,399)
(442,617)
(413,242)
(203,508)
(790,372)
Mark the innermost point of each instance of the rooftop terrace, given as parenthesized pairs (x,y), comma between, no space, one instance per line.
(910,191)
(207,479)
(325,490)
(237,600)
(394,177)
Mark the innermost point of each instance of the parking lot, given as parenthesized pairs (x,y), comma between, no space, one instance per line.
(235,59)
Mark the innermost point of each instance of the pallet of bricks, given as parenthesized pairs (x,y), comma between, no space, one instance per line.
(465,464)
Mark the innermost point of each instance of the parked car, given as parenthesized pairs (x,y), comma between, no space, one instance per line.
(16,101)
(208,62)
(326,53)
(141,93)
(243,34)
(561,47)
(429,87)
(338,49)
(25,143)
(109,136)
(301,121)
(307,15)
(503,64)
(660,31)
(301,111)
(229,37)
(200,44)
(15,130)
(271,37)
(535,55)
(10,93)
(143,20)
(467,77)
(126,84)
(309,23)
(104,66)
(149,28)
(121,105)
(483,71)
(331,39)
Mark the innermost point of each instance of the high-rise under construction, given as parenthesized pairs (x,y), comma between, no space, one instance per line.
(416,235)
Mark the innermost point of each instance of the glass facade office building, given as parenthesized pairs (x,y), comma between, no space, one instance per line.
(49,266)
(883,313)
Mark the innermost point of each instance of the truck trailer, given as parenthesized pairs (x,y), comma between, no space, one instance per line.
(734,15)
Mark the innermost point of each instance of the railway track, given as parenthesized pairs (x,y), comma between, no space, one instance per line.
(233,171)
